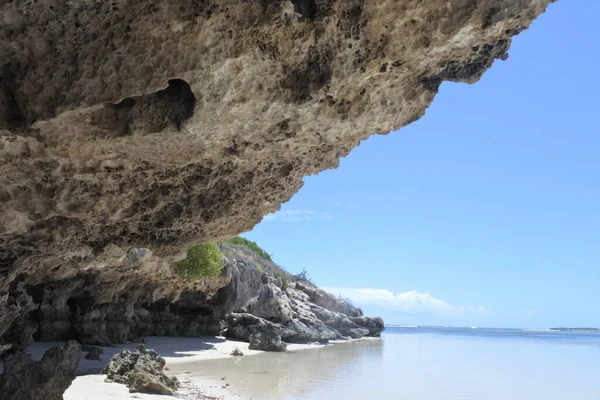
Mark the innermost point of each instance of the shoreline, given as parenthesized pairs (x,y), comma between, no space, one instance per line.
(177,352)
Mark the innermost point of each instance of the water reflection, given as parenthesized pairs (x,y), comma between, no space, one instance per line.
(422,366)
(288,375)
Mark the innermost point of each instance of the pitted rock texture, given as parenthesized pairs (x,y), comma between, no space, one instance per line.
(158,124)
(141,371)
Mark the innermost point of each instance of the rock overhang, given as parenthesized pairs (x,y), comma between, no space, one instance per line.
(137,123)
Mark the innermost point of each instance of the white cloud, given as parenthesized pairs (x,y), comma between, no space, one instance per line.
(413,302)
(345,205)
(298,215)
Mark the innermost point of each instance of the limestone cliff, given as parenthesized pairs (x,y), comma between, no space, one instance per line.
(138,294)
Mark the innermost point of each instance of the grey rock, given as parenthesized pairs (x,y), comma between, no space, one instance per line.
(241,326)
(271,303)
(25,379)
(374,325)
(141,371)
(309,329)
(93,354)
(327,300)
(267,341)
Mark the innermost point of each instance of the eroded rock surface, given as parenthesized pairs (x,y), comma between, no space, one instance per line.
(141,371)
(157,124)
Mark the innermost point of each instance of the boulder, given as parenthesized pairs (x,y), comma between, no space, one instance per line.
(47,379)
(93,354)
(141,371)
(267,341)
(242,325)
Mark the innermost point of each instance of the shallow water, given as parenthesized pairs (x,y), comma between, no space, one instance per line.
(426,364)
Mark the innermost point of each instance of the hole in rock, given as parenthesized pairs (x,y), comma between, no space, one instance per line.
(308,8)
(11,115)
(149,113)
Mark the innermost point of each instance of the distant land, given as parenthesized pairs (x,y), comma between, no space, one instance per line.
(559,329)
(575,329)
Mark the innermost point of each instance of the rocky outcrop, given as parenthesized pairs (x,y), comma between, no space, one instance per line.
(25,379)
(304,321)
(374,325)
(157,124)
(292,315)
(271,304)
(106,305)
(141,371)
(325,300)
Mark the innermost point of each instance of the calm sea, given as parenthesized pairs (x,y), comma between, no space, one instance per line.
(428,363)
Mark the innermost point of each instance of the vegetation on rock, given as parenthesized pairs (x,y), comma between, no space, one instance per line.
(203,261)
(252,246)
(284,284)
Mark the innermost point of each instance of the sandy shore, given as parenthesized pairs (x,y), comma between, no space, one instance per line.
(90,385)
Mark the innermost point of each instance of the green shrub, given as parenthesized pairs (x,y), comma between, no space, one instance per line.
(203,261)
(252,246)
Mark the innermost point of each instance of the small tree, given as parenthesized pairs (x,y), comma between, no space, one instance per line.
(203,261)
(303,276)
(346,300)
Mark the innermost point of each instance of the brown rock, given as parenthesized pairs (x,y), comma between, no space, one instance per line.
(158,125)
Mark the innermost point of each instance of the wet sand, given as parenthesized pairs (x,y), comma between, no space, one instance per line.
(276,376)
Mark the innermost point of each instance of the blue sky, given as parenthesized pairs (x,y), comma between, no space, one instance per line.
(486,212)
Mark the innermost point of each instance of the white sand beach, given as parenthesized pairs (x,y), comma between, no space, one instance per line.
(178,352)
